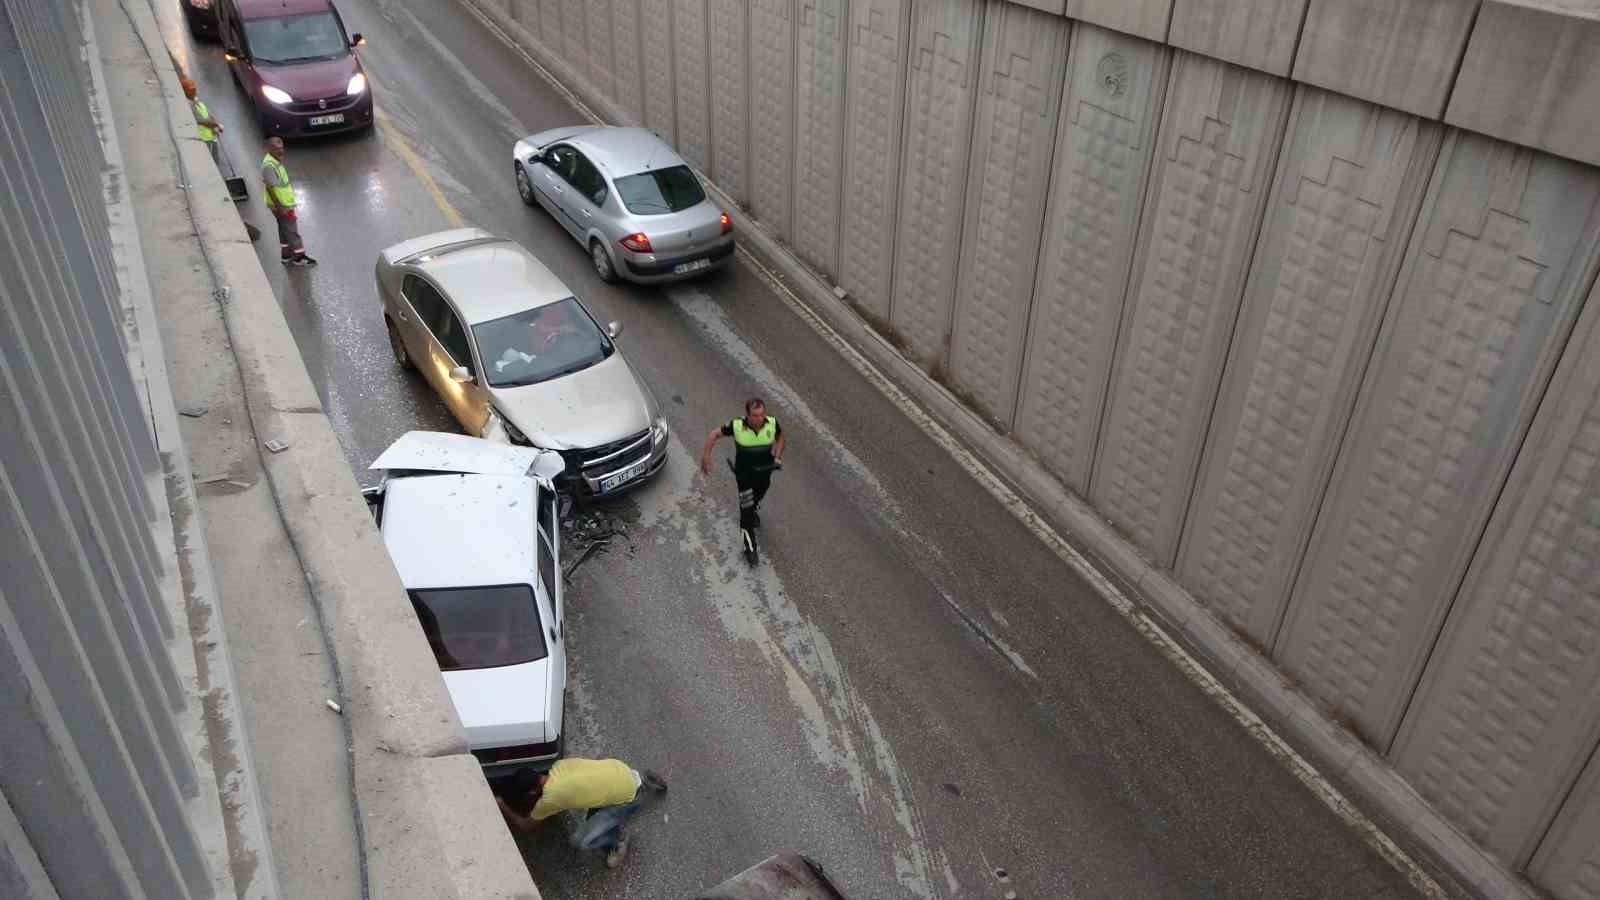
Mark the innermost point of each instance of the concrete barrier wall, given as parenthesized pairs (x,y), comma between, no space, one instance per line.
(1297,294)
(94,774)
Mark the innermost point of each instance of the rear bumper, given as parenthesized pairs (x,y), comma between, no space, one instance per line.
(652,268)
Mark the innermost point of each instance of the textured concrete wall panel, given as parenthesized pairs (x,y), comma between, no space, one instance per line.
(1260,34)
(1013,136)
(1103,153)
(655,54)
(729,65)
(601,53)
(1141,18)
(941,90)
(22,876)
(1400,53)
(629,74)
(1493,279)
(1505,716)
(1568,862)
(549,17)
(1348,188)
(75,656)
(772,114)
(873,112)
(1532,76)
(819,131)
(574,40)
(690,65)
(1218,142)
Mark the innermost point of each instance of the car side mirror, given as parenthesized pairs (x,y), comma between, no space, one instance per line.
(614,330)
(358,40)
(461,375)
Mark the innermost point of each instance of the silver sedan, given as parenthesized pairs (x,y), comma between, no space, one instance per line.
(627,198)
(515,356)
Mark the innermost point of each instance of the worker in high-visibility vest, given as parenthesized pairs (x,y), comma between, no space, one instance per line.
(281,200)
(208,127)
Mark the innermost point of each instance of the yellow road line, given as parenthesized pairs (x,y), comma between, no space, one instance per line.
(402,148)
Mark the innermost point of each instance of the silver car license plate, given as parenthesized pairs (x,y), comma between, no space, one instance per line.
(691,266)
(626,475)
(331,119)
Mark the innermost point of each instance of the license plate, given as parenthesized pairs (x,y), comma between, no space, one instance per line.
(691,266)
(331,119)
(623,477)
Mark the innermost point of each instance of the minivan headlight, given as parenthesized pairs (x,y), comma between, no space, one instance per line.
(358,83)
(276,94)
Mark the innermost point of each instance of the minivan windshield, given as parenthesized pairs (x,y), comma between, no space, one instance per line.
(660,191)
(540,344)
(480,627)
(287,39)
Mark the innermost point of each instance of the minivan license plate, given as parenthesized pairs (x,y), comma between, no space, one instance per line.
(623,477)
(333,119)
(693,266)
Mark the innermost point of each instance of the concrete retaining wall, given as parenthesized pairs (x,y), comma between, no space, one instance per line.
(1285,308)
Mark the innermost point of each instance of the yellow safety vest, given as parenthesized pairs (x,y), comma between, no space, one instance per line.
(281,194)
(745,436)
(200,112)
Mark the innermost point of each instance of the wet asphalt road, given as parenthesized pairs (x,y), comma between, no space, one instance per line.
(912,688)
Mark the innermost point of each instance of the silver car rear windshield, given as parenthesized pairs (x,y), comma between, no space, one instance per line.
(480,627)
(660,192)
(540,344)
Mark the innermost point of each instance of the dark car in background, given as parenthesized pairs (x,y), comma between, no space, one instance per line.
(297,63)
(201,16)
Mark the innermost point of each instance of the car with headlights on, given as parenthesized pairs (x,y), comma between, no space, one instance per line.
(631,202)
(516,356)
(298,65)
(473,530)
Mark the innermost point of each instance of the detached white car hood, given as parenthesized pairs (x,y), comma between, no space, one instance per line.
(503,706)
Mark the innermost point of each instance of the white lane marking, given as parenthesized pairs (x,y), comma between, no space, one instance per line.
(753,605)
(1303,770)
(788,405)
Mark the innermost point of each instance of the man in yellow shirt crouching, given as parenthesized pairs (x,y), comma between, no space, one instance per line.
(609,788)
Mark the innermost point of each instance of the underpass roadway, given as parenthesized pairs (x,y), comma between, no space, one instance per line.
(912,687)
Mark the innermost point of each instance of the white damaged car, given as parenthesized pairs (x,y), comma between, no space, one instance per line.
(472,527)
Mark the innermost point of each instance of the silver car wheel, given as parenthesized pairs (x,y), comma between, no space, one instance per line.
(602,262)
(524,186)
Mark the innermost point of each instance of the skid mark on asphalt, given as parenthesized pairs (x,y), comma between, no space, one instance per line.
(708,316)
(753,605)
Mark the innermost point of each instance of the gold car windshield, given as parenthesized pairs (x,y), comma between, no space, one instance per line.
(540,344)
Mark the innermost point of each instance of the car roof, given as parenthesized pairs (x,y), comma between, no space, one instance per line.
(490,280)
(260,9)
(625,151)
(461,530)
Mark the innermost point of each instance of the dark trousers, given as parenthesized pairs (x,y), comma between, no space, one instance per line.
(752,487)
(289,237)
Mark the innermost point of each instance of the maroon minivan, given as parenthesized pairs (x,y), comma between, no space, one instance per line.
(297,63)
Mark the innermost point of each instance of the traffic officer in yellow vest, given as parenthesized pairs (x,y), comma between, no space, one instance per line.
(281,200)
(759,446)
(208,127)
